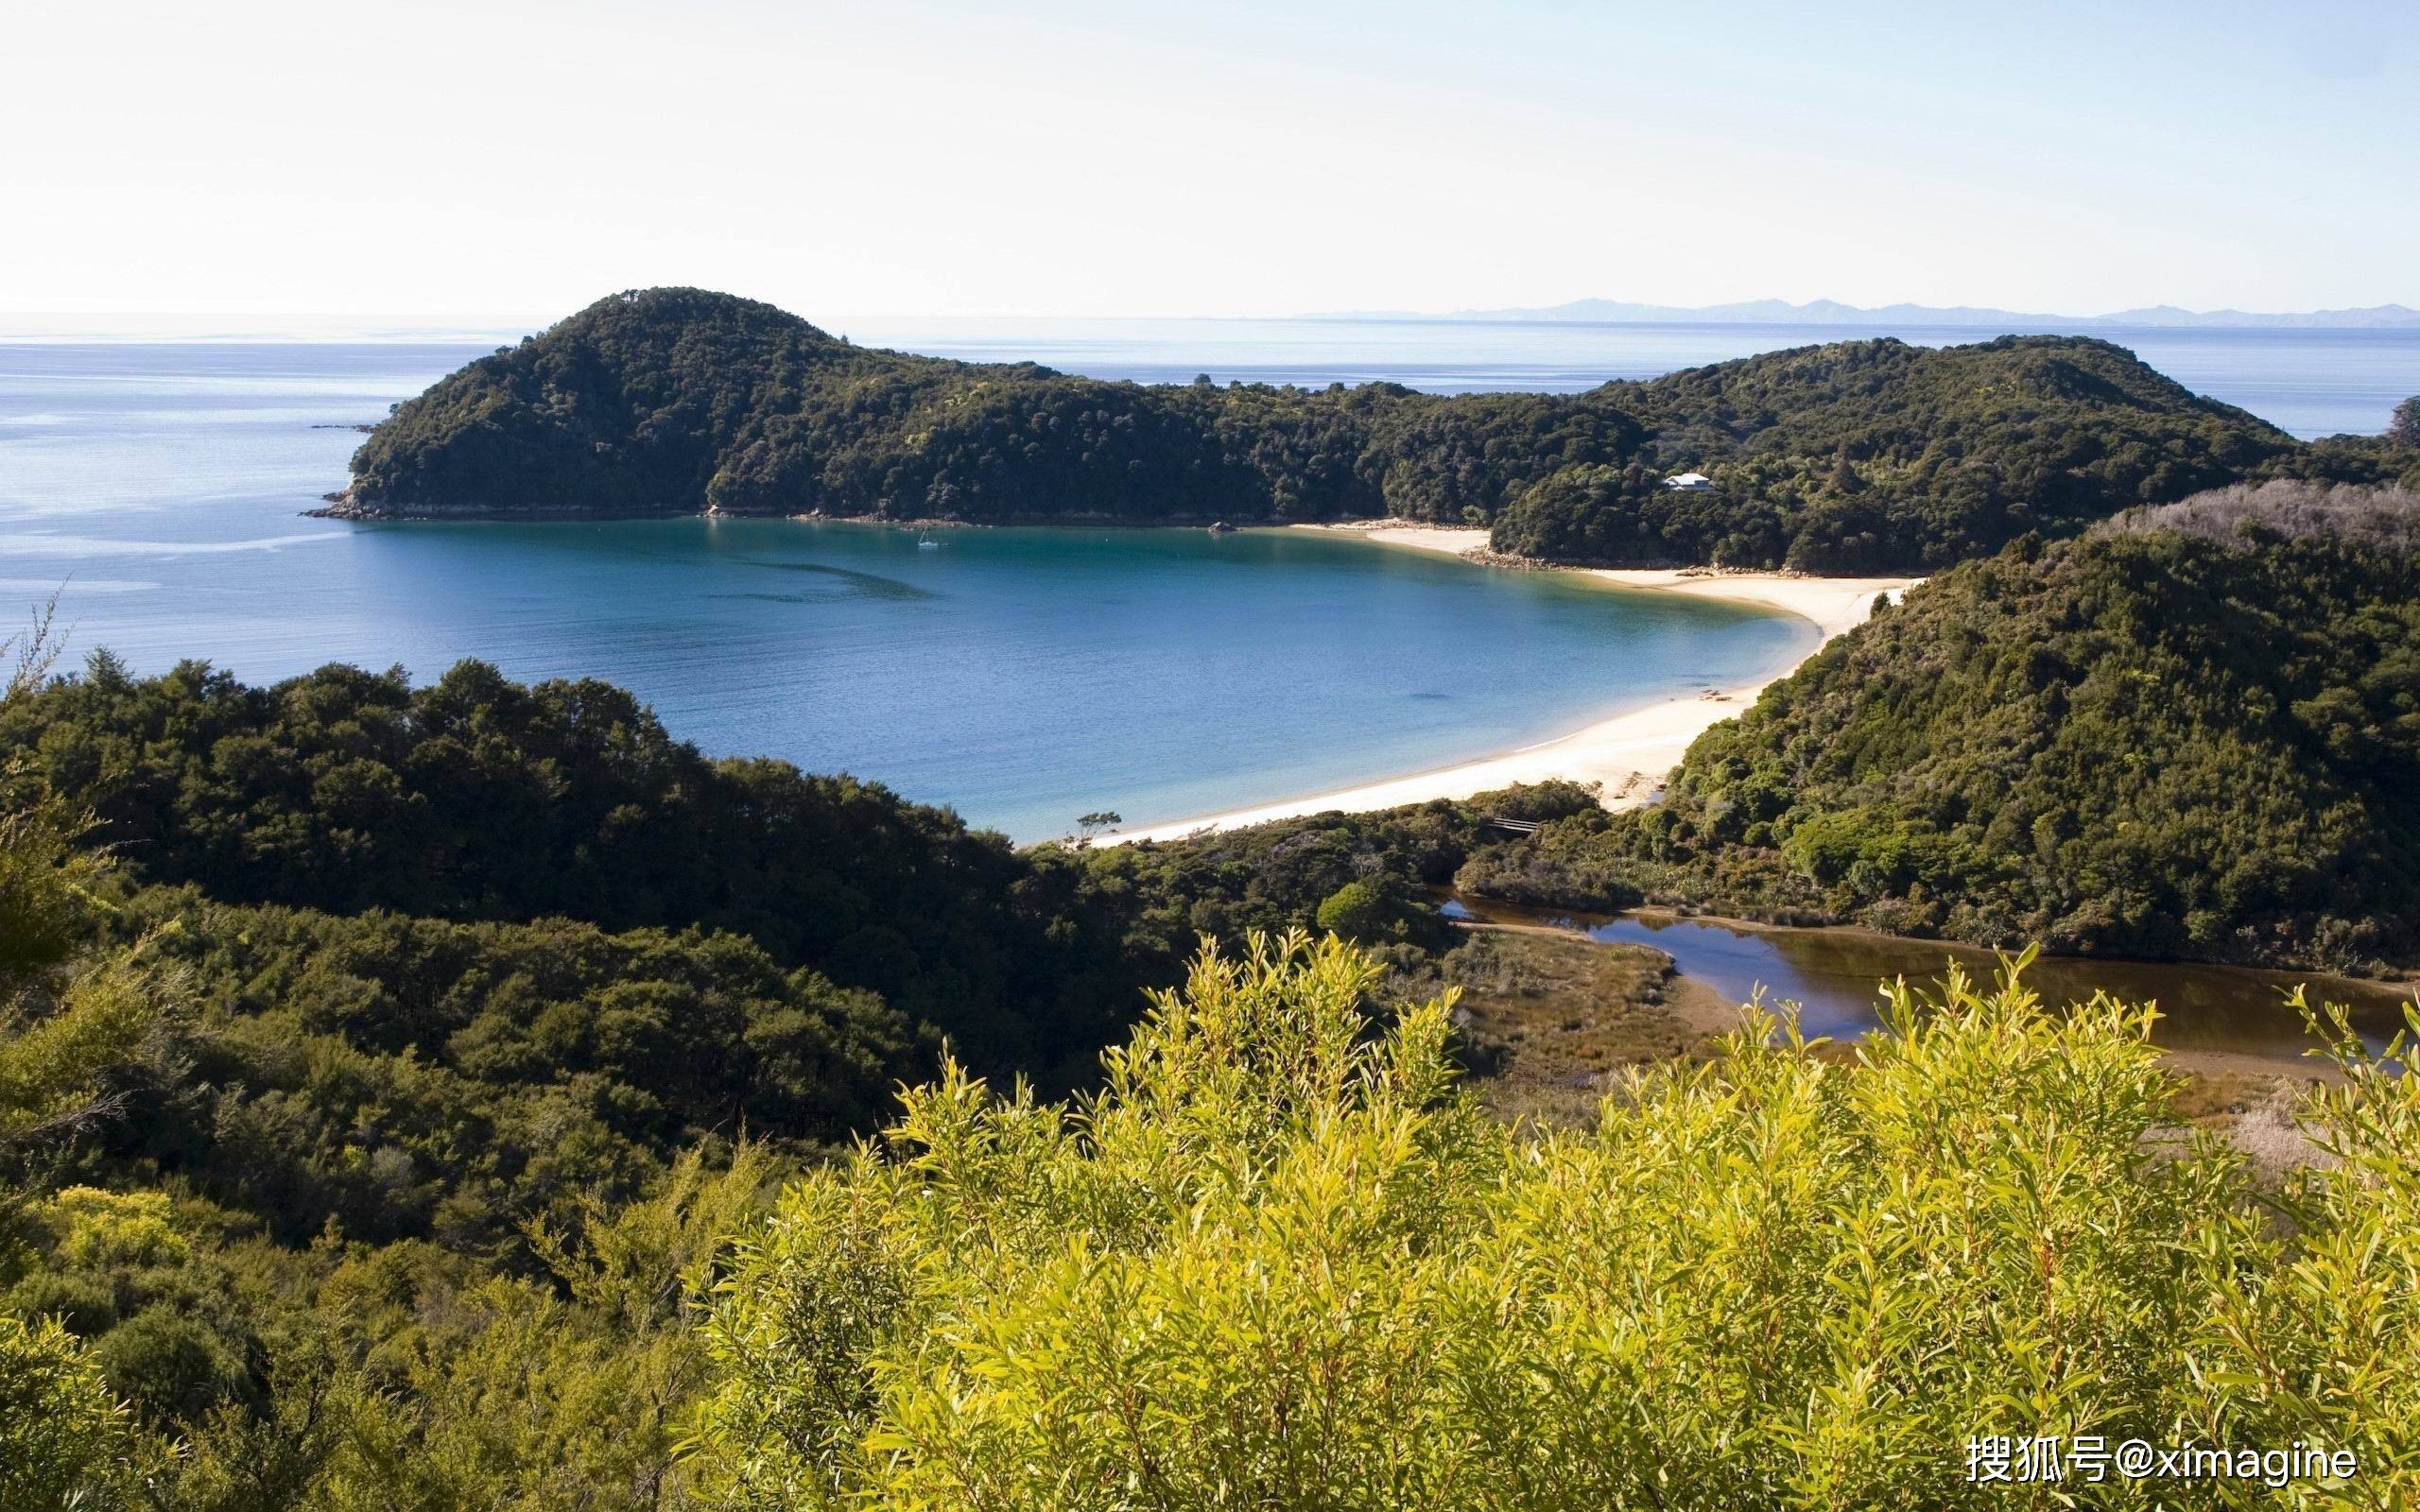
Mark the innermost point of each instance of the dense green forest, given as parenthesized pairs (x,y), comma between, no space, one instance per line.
(2193,732)
(1867,455)
(1849,458)
(476,799)
(678,399)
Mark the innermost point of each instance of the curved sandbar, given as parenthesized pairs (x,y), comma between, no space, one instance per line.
(1625,756)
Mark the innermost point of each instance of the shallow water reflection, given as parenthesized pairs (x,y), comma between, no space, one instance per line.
(1835,976)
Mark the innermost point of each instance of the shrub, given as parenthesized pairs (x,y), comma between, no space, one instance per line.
(92,1227)
(1279,1263)
(1359,910)
(64,1440)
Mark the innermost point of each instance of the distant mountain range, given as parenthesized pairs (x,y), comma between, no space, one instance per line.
(1831,312)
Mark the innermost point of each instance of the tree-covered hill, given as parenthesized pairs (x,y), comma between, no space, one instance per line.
(1847,458)
(474,798)
(673,400)
(2194,732)
(474,801)
(1864,455)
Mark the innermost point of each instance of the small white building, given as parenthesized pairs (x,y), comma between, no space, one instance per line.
(1689,482)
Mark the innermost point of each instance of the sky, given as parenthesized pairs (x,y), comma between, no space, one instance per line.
(512,160)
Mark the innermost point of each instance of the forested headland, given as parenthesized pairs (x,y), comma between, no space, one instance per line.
(1857,456)
(2192,733)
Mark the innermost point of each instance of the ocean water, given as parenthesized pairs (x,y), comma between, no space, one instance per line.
(1023,676)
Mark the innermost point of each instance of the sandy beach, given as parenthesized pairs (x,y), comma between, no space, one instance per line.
(1628,755)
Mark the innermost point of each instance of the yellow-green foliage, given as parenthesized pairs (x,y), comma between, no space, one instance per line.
(67,1016)
(92,1227)
(63,1436)
(101,1018)
(541,1395)
(2321,1326)
(1278,1262)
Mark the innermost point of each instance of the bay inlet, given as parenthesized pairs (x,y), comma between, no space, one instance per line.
(1023,676)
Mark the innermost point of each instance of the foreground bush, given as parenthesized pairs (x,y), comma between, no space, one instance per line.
(1277,1263)
(62,1435)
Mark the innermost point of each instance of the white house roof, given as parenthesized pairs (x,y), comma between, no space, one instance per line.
(1687,480)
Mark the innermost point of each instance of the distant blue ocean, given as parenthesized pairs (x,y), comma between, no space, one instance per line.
(1025,676)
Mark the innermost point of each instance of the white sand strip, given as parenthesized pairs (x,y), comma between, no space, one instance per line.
(1627,755)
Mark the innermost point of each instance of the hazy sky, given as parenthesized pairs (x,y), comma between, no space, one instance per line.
(516,159)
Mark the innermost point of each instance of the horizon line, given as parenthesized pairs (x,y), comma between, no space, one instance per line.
(25,325)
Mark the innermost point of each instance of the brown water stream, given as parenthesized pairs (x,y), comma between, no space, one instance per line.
(1834,975)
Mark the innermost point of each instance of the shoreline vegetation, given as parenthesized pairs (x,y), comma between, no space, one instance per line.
(1624,757)
(1848,458)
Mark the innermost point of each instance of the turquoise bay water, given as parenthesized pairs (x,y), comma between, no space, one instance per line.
(1025,676)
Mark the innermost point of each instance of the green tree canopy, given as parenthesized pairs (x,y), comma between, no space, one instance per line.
(2194,733)
(2404,428)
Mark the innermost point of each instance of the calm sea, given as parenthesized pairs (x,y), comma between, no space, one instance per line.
(1023,676)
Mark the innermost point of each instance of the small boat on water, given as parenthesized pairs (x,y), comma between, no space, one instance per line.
(1220,527)
(926,542)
